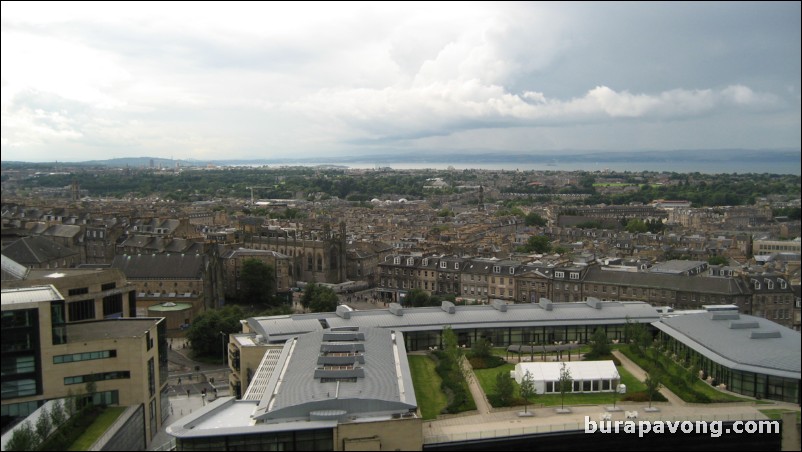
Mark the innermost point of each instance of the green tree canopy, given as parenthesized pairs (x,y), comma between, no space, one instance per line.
(319,298)
(257,283)
(504,388)
(527,388)
(534,219)
(600,344)
(204,333)
(635,226)
(565,383)
(717,260)
(537,244)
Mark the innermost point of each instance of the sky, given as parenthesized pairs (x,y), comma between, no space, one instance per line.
(205,81)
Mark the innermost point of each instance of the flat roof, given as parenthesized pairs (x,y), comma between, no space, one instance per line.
(280,328)
(580,370)
(112,328)
(170,306)
(739,341)
(29,295)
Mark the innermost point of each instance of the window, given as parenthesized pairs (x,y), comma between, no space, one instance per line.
(108,286)
(86,356)
(770,284)
(574,275)
(113,306)
(757,283)
(512,270)
(81,310)
(425,262)
(78,379)
(496,269)
(410,261)
(79,291)
(559,274)
(456,265)
(443,264)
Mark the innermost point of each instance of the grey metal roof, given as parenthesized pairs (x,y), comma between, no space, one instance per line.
(384,386)
(13,270)
(36,250)
(434,318)
(732,343)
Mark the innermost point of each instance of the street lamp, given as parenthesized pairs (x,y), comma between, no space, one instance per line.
(223,337)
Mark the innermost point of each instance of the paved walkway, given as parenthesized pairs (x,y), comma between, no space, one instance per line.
(482,404)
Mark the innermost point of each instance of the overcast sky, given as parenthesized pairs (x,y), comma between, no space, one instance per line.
(202,80)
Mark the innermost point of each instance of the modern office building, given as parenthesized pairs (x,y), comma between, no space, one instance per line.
(338,389)
(47,357)
(749,355)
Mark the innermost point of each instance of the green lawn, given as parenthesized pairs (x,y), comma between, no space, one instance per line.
(776,412)
(698,385)
(431,399)
(487,379)
(98,427)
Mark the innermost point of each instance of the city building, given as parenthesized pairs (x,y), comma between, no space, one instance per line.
(338,389)
(748,355)
(47,357)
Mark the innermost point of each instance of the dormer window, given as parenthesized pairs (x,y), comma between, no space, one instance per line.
(496,269)
(559,274)
(782,283)
(574,275)
(456,265)
(397,261)
(425,262)
(512,270)
(411,261)
(770,284)
(443,264)
(757,284)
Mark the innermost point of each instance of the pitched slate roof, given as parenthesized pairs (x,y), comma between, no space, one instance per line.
(700,284)
(36,250)
(161,266)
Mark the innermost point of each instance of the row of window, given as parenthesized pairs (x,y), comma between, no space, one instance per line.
(86,356)
(78,379)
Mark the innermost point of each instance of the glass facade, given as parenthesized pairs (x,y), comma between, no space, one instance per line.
(504,336)
(21,363)
(760,386)
(320,439)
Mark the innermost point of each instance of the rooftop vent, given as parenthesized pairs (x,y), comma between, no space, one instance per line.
(764,334)
(396,309)
(448,307)
(725,316)
(500,305)
(546,304)
(343,311)
(594,303)
(744,325)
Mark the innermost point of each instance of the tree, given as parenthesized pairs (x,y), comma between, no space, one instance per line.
(481,348)
(534,219)
(504,388)
(635,225)
(565,383)
(23,438)
(717,260)
(538,244)
(600,345)
(257,282)
(527,388)
(653,386)
(325,300)
(57,414)
(204,333)
(418,298)
(43,425)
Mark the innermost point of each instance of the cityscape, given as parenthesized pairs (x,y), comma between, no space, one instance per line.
(296,226)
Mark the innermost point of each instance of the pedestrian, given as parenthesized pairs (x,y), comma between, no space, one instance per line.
(187,393)
(179,380)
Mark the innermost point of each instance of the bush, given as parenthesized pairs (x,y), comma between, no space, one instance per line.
(486,362)
(643,396)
